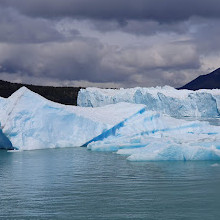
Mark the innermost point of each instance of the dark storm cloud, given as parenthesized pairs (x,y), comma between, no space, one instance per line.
(143,27)
(92,61)
(67,60)
(16,28)
(206,35)
(160,10)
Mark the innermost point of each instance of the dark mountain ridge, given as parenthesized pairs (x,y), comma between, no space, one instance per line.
(63,95)
(208,81)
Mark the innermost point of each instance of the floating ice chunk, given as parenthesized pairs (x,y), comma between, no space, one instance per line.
(176,152)
(32,122)
(215,165)
(153,136)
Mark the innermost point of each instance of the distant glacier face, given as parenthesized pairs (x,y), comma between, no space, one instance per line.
(143,131)
(166,100)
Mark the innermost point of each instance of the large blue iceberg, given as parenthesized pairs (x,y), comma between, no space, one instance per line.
(143,131)
(30,121)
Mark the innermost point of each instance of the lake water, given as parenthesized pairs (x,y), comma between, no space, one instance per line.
(74,183)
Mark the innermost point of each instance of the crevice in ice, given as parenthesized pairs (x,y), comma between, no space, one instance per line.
(173,129)
(112,131)
(5,143)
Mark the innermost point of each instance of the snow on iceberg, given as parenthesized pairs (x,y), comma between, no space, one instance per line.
(30,121)
(167,100)
(153,136)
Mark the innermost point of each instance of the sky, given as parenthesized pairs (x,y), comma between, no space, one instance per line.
(117,43)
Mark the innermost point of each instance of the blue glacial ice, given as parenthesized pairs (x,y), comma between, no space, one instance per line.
(153,136)
(167,100)
(30,121)
(5,143)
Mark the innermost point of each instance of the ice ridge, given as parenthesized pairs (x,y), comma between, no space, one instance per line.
(112,131)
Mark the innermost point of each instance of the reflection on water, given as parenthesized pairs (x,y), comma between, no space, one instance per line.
(74,183)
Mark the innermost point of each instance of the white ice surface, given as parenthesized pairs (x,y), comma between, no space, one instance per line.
(152,136)
(33,122)
(167,100)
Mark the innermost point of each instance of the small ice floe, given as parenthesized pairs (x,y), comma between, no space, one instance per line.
(215,165)
(14,151)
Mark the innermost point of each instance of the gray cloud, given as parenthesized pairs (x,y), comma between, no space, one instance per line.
(69,60)
(159,10)
(123,42)
(91,61)
(17,28)
(205,33)
(141,27)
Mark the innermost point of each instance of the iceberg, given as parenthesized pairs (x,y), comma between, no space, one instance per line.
(29,121)
(167,100)
(153,136)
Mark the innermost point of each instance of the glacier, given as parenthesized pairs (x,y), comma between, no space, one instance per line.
(167,100)
(125,121)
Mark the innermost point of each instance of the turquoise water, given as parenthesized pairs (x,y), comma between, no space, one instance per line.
(74,183)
